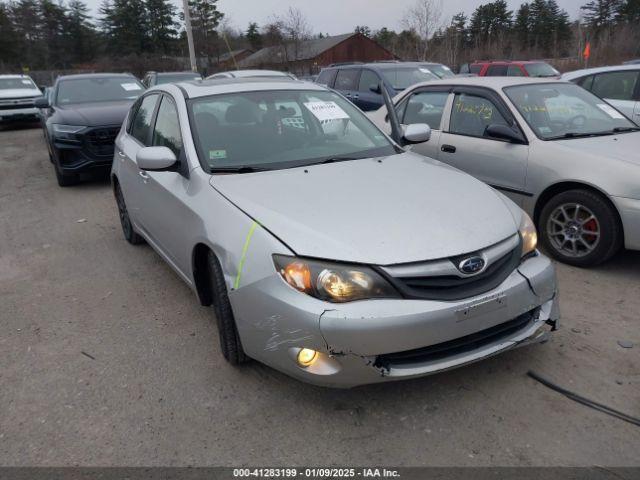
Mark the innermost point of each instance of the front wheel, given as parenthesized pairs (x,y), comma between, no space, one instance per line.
(229,338)
(580,228)
(127,227)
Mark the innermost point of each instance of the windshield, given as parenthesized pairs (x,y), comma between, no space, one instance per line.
(441,71)
(15,83)
(541,70)
(565,110)
(401,78)
(101,89)
(282,129)
(177,77)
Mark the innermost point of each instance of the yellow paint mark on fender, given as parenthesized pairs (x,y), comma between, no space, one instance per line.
(243,257)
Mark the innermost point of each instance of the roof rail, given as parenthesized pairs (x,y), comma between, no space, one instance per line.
(386,61)
(340,64)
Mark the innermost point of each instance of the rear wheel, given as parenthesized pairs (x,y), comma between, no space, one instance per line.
(580,228)
(228,332)
(127,227)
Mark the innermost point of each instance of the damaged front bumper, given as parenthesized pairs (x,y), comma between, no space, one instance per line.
(379,340)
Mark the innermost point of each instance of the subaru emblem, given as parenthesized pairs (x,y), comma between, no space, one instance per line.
(471,265)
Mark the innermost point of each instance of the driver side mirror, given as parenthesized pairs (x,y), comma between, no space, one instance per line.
(417,133)
(375,88)
(503,132)
(41,102)
(155,159)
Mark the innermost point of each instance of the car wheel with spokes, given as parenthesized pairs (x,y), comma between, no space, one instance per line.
(580,228)
(127,227)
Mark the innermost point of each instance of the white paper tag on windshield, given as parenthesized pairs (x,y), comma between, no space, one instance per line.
(26,82)
(609,110)
(424,70)
(130,87)
(326,110)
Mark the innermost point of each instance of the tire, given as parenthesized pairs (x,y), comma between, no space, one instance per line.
(228,332)
(64,179)
(591,234)
(127,227)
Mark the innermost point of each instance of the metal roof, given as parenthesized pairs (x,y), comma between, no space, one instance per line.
(308,49)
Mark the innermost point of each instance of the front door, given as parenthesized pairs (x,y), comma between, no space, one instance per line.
(464,143)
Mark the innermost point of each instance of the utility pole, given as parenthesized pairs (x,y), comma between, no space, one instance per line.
(187,24)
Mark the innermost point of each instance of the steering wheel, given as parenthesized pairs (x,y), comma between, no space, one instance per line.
(577,121)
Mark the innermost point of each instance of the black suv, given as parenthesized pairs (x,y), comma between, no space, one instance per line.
(357,81)
(84,114)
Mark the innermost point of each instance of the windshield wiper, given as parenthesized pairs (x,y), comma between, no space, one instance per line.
(625,129)
(337,159)
(240,169)
(580,135)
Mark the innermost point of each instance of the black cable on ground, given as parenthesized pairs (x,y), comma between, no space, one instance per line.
(584,401)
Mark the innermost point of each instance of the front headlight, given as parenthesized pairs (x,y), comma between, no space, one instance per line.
(528,234)
(333,282)
(66,131)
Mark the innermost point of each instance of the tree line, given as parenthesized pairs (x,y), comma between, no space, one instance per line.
(137,35)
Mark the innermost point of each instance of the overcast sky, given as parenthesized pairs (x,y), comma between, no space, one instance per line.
(341,16)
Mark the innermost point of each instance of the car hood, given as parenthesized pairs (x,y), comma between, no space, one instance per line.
(93,114)
(397,209)
(624,146)
(19,93)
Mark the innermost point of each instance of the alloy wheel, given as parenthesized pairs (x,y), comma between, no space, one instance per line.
(573,229)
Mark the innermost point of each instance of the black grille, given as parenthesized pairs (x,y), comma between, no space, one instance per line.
(16,103)
(100,141)
(451,287)
(459,345)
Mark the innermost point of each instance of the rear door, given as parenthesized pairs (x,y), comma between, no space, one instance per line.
(465,144)
(426,105)
(619,88)
(138,135)
(368,100)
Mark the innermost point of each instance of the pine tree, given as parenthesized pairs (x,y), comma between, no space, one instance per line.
(125,24)
(628,11)
(161,24)
(253,36)
(80,32)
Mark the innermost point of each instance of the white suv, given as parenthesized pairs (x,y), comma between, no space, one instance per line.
(17,96)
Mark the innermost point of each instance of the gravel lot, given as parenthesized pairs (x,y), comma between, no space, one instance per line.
(106,358)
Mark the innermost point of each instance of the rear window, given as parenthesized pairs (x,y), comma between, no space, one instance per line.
(401,78)
(541,70)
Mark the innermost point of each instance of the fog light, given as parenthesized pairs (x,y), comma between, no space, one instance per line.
(307,357)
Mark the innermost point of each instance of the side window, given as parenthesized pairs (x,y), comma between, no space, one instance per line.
(515,71)
(585,82)
(326,77)
(615,85)
(497,71)
(464,68)
(142,121)
(475,69)
(368,78)
(426,107)
(167,131)
(472,114)
(347,79)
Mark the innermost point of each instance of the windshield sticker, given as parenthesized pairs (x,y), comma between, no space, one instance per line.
(609,110)
(217,154)
(544,130)
(326,111)
(129,87)
(424,70)
(26,82)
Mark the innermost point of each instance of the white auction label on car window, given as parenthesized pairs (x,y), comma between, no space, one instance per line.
(26,82)
(326,110)
(129,87)
(609,110)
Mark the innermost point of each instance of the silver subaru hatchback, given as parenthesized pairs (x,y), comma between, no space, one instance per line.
(326,250)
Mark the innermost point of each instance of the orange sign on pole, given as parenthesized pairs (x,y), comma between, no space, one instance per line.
(587,51)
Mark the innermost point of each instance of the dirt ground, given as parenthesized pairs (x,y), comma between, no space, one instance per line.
(106,358)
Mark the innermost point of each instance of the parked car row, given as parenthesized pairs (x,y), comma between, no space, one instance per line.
(341,249)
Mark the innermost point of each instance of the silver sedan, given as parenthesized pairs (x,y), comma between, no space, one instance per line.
(326,250)
(567,157)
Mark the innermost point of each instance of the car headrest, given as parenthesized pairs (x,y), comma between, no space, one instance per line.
(241,114)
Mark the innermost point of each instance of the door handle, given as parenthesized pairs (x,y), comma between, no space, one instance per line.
(121,155)
(143,175)
(448,148)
